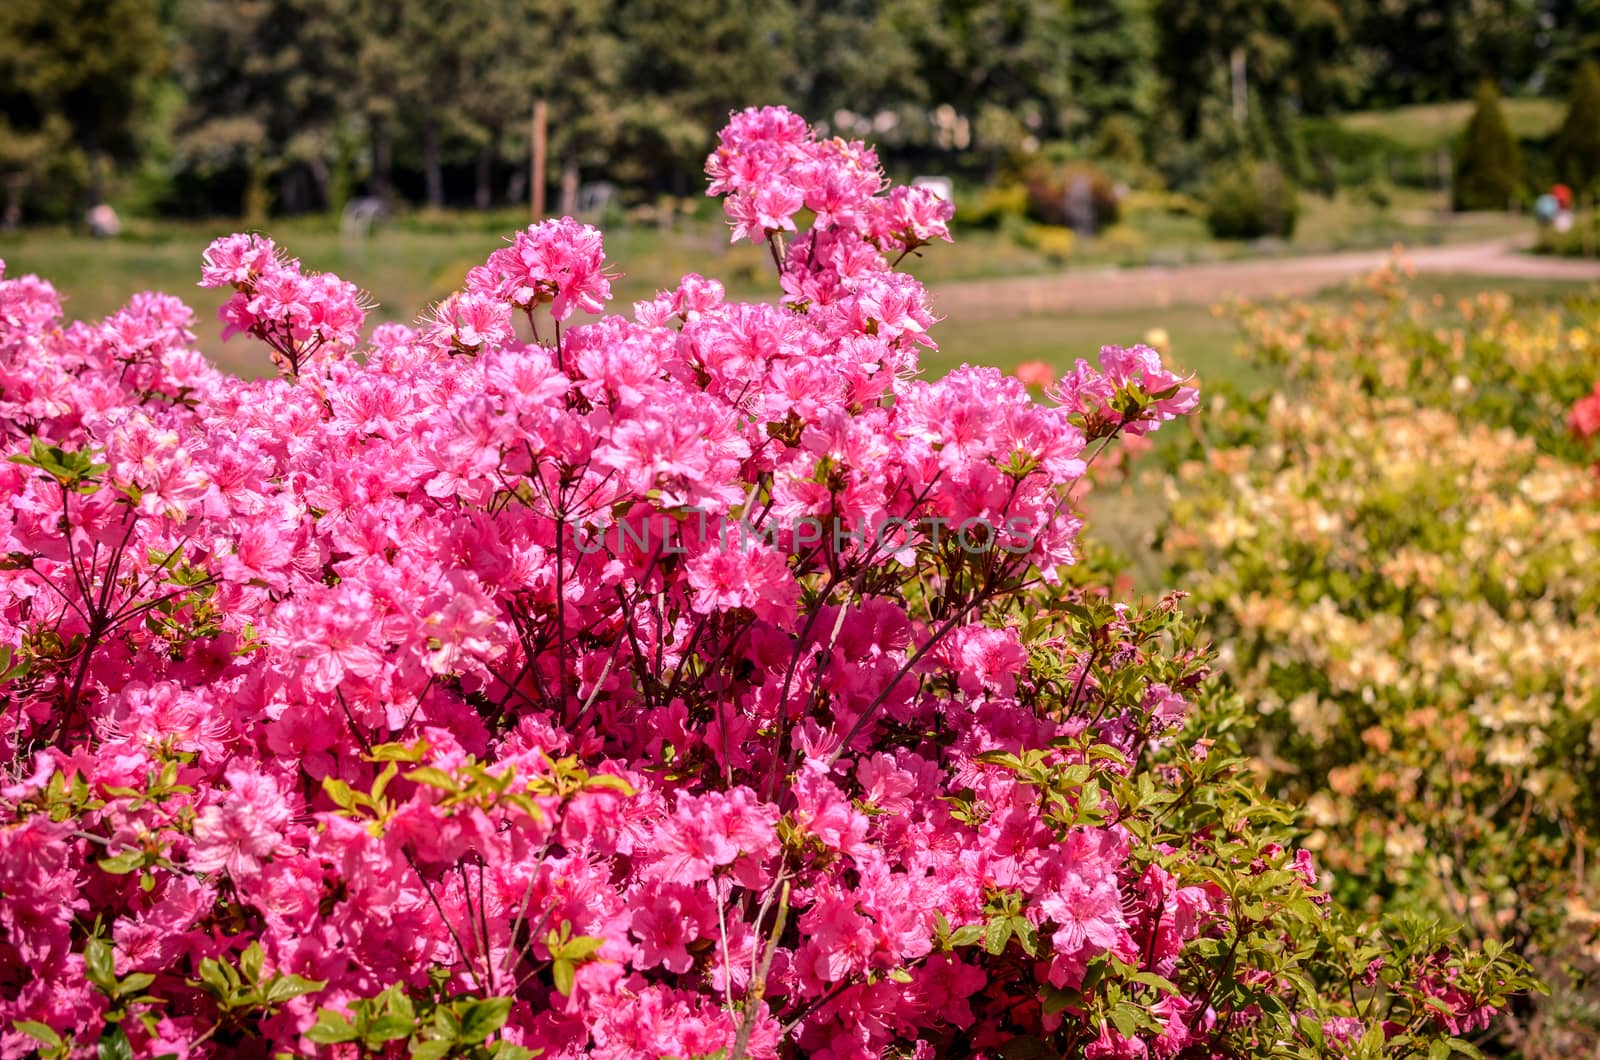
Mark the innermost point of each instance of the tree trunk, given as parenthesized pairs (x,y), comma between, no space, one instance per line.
(321,181)
(483,193)
(382,160)
(91,152)
(12,217)
(433,169)
(569,186)
(257,194)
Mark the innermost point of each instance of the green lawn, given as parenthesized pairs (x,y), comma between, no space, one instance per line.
(1434,126)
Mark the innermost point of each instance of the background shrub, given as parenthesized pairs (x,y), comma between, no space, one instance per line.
(1488,163)
(1250,201)
(1395,545)
(1576,149)
(1075,194)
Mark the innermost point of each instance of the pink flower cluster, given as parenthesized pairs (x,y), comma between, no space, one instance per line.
(298,315)
(323,734)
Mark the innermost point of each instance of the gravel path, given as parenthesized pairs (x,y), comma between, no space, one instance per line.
(1158,286)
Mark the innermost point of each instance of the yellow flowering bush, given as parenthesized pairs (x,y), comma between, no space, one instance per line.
(1398,551)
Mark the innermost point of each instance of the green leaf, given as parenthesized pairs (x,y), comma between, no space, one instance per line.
(339,792)
(390,1028)
(576,949)
(211,975)
(434,778)
(1152,979)
(447,1022)
(997,935)
(99,965)
(39,1032)
(250,962)
(134,982)
(562,973)
(504,1050)
(607,780)
(331,1028)
(479,1019)
(432,1049)
(284,987)
(399,752)
(114,1044)
(123,863)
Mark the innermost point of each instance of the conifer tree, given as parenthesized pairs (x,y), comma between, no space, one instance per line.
(1577,146)
(1488,164)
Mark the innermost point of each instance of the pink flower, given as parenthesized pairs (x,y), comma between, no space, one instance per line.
(243,827)
(557,262)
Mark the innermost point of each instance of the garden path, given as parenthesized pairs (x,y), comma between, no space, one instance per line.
(1078,291)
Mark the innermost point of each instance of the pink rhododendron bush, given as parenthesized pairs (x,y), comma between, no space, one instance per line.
(695,681)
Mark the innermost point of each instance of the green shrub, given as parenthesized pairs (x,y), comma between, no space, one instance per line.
(1057,194)
(1577,146)
(1252,200)
(993,207)
(1055,242)
(1488,163)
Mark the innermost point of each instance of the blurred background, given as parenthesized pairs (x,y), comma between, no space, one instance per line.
(396,141)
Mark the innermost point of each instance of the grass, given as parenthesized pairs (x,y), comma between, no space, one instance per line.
(1201,341)
(1434,126)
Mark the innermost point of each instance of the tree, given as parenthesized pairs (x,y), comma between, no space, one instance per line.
(877,70)
(87,63)
(268,87)
(1423,51)
(1488,164)
(397,43)
(1112,67)
(1577,145)
(1293,57)
(999,69)
(686,64)
(576,63)
(1571,29)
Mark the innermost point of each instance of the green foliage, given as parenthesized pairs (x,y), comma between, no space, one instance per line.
(1488,164)
(1112,70)
(1422,51)
(1055,242)
(1273,916)
(993,207)
(1250,201)
(1577,144)
(433,1025)
(687,64)
(75,72)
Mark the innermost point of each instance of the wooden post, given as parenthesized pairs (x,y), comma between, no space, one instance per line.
(1241,87)
(536,174)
